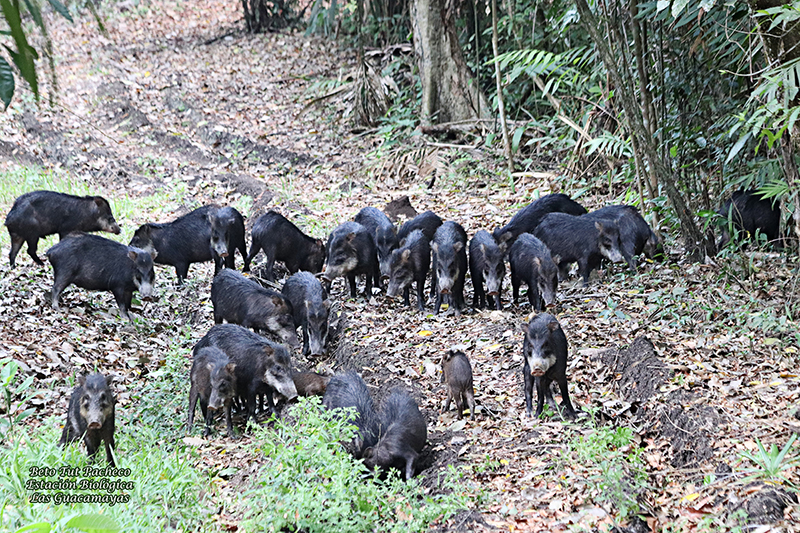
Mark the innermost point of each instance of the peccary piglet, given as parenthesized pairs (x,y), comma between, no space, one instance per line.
(545,352)
(402,435)
(349,390)
(310,383)
(457,373)
(214,384)
(91,415)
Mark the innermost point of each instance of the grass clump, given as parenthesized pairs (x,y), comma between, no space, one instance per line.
(166,487)
(308,482)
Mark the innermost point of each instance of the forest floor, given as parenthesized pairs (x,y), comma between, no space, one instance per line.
(678,371)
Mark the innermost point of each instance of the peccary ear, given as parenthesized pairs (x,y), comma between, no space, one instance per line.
(435,247)
(598,225)
(524,328)
(268,350)
(537,261)
(327,304)
(502,246)
(556,259)
(457,246)
(230,367)
(552,326)
(319,242)
(277,301)
(406,254)
(483,248)
(82,380)
(98,202)
(350,236)
(210,367)
(132,255)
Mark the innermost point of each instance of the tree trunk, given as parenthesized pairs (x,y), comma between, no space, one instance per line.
(450,92)
(697,246)
(264,15)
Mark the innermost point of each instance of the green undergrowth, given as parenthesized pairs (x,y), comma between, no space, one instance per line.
(611,464)
(307,482)
(164,492)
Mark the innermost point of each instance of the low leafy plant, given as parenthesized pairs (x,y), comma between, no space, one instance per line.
(167,489)
(14,396)
(307,482)
(616,469)
(774,462)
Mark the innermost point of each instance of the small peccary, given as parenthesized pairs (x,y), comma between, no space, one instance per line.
(457,373)
(91,414)
(310,383)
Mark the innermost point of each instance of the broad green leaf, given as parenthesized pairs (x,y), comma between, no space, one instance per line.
(58,6)
(25,54)
(38,527)
(24,414)
(94,523)
(737,147)
(678,6)
(515,139)
(6,83)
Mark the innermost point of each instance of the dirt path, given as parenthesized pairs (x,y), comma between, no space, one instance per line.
(178,101)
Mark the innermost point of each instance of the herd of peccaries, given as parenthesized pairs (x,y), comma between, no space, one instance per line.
(239,364)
